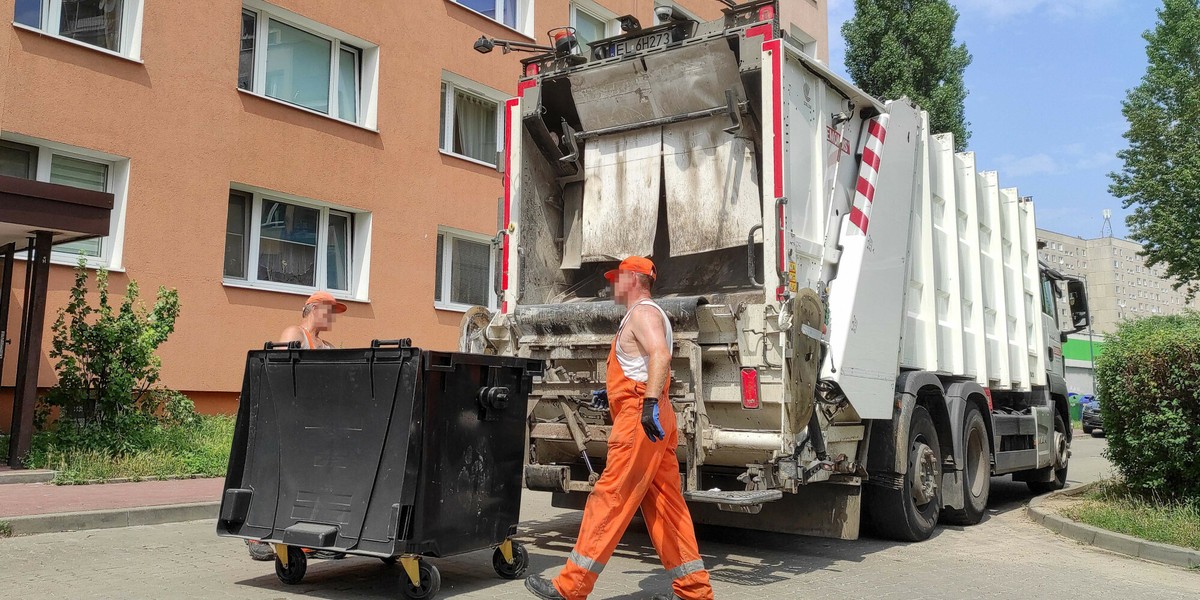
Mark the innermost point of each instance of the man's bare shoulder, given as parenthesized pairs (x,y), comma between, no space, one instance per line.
(292,334)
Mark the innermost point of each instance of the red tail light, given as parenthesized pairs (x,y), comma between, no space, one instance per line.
(766,13)
(750,389)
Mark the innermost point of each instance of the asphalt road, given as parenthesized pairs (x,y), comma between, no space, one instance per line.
(1006,556)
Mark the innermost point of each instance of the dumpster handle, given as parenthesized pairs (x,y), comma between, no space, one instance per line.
(400,343)
(293,345)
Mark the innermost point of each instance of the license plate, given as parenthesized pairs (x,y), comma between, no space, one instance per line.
(635,45)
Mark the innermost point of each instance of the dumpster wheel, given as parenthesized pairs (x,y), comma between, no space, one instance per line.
(514,569)
(428,576)
(297,564)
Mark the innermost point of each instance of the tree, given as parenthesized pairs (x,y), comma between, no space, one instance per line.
(897,48)
(1161,176)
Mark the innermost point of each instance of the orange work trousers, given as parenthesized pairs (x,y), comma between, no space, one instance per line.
(638,474)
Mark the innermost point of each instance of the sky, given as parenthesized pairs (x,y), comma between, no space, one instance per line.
(1045,89)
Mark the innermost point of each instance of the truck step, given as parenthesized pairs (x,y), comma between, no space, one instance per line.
(734,498)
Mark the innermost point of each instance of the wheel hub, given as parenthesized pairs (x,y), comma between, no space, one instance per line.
(1060,448)
(924,475)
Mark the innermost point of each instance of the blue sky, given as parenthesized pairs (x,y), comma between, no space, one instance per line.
(1046,85)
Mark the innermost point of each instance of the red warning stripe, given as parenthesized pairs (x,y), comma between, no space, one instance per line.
(877,130)
(870,158)
(859,219)
(866,189)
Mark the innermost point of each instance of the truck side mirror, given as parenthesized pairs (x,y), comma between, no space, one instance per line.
(1077,296)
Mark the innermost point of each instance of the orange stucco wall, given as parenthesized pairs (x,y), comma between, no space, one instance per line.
(188,132)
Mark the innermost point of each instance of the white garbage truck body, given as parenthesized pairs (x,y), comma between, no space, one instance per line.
(859,313)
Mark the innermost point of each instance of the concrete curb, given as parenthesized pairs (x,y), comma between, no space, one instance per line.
(107,519)
(1108,540)
(26,476)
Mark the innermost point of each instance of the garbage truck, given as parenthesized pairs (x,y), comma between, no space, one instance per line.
(862,326)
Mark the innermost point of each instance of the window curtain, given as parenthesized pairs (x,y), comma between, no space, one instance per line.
(510,13)
(474,127)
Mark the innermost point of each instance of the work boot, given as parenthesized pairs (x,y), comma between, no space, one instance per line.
(665,597)
(328,554)
(542,588)
(260,550)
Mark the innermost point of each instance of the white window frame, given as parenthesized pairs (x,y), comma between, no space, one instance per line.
(448,234)
(131,28)
(452,81)
(611,25)
(523,21)
(112,245)
(367,63)
(360,257)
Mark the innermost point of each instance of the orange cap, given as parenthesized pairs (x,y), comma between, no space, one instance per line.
(634,264)
(323,297)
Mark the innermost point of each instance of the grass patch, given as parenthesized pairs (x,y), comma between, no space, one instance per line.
(200,447)
(5,529)
(1113,506)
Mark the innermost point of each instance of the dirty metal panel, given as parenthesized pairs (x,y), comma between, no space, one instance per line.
(712,188)
(638,90)
(572,226)
(621,190)
(595,318)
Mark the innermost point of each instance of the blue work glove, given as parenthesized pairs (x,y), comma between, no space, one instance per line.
(600,400)
(650,421)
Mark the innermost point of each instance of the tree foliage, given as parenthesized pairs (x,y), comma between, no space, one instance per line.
(1161,176)
(106,360)
(897,48)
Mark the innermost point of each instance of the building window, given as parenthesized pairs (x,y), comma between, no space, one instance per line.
(56,163)
(514,14)
(470,120)
(288,244)
(113,25)
(464,275)
(592,23)
(298,61)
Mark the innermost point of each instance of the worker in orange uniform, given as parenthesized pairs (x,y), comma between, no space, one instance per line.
(642,470)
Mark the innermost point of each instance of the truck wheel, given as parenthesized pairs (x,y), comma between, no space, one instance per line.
(1061,450)
(910,513)
(977,472)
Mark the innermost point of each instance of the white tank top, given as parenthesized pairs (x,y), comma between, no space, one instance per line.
(637,368)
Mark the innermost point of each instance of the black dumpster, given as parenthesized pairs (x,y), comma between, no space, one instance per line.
(388,451)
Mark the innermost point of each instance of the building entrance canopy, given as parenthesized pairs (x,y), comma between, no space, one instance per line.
(33,217)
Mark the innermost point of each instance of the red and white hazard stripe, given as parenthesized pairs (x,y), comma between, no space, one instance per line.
(868,172)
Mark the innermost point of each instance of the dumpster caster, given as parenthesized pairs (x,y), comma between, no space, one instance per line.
(514,565)
(290,564)
(421,579)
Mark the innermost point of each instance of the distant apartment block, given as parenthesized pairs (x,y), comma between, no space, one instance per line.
(1120,285)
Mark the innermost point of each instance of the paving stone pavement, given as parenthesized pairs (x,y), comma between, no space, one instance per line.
(1006,556)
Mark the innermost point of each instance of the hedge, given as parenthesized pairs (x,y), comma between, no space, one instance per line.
(1149,389)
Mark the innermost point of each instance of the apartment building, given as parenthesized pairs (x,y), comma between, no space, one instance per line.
(259,151)
(1120,285)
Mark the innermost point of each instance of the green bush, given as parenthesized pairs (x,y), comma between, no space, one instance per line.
(1149,388)
(106,363)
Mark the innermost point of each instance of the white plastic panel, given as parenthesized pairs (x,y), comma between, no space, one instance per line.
(970,266)
(1014,284)
(866,304)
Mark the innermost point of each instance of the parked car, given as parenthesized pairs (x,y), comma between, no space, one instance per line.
(1092,423)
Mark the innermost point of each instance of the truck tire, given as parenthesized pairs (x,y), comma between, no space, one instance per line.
(910,513)
(1061,458)
(977,471)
